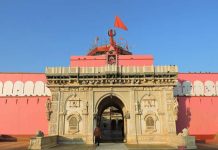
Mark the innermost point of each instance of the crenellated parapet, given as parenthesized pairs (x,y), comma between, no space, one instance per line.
(196,88)
(112,75)
(23,88)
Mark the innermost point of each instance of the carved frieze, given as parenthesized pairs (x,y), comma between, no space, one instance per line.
(113,81)
(83,89)
(149,103)
(73,103)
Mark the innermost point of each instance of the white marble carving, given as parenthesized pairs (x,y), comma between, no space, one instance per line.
(7,88)
(28,88)
(216,87)
(178,89)
(198,88)
(209,88)
(39,88)
(1,88)
(18,89)
(185,132)
(187,89)
(47,91)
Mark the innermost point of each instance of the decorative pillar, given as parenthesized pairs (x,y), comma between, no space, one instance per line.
(127,116)
(85,122)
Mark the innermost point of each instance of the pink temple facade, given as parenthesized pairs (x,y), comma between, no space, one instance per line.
(24,112)
(23,97)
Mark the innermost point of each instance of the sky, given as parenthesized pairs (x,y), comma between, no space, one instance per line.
(39,33)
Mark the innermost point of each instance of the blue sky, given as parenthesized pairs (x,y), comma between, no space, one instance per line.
(39,33)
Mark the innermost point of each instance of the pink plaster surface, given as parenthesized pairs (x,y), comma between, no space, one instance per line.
(22,77)
(198,76)
(198,113)
(87,61)
(100,61)
(23,115)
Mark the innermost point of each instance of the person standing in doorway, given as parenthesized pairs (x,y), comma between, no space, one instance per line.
(97,134)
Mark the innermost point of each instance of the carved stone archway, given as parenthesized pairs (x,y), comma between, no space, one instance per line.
(111,101)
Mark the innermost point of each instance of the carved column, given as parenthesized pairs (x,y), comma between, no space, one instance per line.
(90,127)
(85,121)
(58,112)
(163,112)
(62,122)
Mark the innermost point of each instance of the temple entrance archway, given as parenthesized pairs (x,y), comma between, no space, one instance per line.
(110,118)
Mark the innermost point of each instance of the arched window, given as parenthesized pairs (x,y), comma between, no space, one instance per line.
(151,120)
(73,124)
(150,123)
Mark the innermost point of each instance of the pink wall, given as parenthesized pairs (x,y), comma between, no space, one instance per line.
(198,113)
(98,61)
(23,115)
(136,60)
(23,77)
(198,76)
(87,61)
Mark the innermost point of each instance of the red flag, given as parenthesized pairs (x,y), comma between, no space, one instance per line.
(119,24)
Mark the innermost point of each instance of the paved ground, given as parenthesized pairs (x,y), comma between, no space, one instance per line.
(23,145)
(149,147)
(103,146)
(122,146)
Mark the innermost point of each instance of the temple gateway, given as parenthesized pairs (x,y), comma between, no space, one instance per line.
(126,95)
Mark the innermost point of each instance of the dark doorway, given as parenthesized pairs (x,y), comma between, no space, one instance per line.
(111,120)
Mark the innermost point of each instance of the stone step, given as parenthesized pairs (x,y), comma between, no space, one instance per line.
(70,140)
(150,147)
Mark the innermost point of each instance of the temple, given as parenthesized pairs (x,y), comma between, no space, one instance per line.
(132,100)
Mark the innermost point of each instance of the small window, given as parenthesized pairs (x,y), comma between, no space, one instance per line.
(150,123)
(73,124)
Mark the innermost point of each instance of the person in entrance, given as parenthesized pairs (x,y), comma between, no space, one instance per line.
(97,134)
